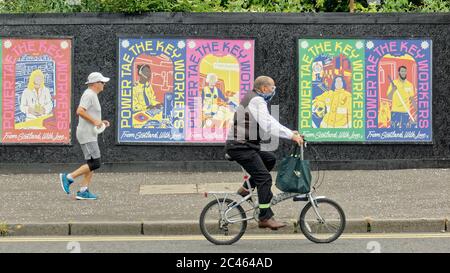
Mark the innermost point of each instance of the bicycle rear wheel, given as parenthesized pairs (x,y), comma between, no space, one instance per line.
(219,230)
(326,230)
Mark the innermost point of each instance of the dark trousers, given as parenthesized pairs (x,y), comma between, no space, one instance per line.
(258,164)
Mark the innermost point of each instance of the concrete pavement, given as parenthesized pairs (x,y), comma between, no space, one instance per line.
(412,200)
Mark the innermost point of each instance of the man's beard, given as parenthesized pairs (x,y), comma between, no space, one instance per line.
(403,78)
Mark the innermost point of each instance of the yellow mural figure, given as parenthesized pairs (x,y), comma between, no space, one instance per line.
(317,71)
(36,102)
(147,110)
(143,93)
(401,92)
(337,105)
(384,114)
(218,104)
(212,98)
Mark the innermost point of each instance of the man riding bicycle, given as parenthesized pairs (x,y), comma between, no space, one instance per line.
(244,145)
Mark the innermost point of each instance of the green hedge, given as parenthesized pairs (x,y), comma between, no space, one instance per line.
(138,6)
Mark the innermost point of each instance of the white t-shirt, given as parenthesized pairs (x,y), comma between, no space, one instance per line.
(85,129)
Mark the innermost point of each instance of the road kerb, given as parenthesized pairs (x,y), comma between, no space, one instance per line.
(191,227)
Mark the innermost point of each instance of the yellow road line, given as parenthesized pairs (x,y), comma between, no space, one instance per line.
(201,238)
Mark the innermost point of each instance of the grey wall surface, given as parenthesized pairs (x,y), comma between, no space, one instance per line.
(95,39)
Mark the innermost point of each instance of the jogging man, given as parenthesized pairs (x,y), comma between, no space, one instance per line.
(90,117)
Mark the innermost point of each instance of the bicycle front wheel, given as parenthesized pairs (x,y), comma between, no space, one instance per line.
(325,225)
(217,228)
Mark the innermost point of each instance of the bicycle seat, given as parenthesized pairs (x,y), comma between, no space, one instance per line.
(228,157)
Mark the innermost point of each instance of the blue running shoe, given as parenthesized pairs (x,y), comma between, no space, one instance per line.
(86,195)
(65,182)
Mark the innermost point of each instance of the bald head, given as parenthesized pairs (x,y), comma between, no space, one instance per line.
(264,84)
(263,81)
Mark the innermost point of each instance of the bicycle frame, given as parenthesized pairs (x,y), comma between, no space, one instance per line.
(308,197)
(243,200)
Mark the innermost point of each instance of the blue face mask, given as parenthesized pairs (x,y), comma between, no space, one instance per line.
(267,96)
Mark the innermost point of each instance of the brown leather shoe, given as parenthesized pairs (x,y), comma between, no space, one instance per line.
(243,191)
(270,223)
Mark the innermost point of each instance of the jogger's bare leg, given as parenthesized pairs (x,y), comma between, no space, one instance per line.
(83,170)
(87,179)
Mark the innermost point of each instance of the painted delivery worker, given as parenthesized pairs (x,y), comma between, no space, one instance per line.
(338,103)
(36,100)
(143,94)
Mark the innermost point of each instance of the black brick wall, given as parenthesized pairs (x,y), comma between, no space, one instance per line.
(95,45)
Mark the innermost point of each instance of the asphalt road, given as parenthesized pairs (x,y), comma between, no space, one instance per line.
(351,243)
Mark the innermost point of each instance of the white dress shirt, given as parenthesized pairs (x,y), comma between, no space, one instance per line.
(258,109)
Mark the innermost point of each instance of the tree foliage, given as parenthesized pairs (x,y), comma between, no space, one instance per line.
(140,6)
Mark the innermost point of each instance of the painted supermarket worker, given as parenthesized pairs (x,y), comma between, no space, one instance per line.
(89,126)
(36,100)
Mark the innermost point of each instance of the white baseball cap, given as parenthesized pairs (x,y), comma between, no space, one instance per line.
(96,77)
